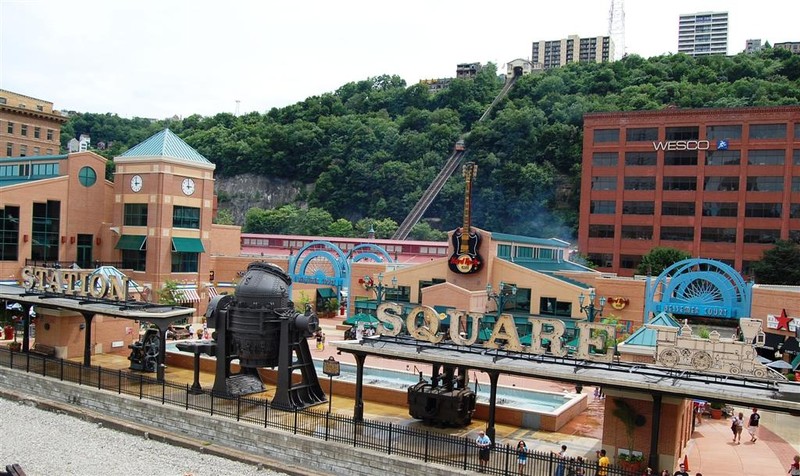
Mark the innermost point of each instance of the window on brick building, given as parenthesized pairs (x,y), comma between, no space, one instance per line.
(606,135)
(720,209)
(723,157)
(641,134)
(604,183)
(721,184)
(604,159)
(638,208)
(601,231)
(680,183)
(640,183)
(683,133)
(677,233)
(765,184)
(763,210)
(677,208)
(767,131)
(718,235)
(724,132)
(634,159)
(637,232)
(766,157)
(602,207)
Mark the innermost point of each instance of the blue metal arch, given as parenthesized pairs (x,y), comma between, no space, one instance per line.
(339,263)
(369,251)
(299,265)
(699,287)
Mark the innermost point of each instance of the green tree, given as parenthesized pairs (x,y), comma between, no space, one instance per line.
(224,217)
(779,265)
(340,228)
(168,293)
(659,259)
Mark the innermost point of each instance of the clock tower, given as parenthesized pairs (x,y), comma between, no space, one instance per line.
(163,201)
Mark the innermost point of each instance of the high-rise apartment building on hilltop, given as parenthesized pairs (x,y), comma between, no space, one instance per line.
(704,33)
(552,54)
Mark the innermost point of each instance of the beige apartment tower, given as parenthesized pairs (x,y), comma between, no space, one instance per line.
(552,54)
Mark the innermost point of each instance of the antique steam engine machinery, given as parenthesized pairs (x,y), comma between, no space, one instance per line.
(446,400)
(259,326)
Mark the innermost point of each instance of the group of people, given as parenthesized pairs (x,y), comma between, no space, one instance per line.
(738,424)
(575,467)
(565,466)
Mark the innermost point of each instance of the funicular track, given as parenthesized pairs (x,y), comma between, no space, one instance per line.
(447,170)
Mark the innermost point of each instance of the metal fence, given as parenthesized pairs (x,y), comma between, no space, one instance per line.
(425,445)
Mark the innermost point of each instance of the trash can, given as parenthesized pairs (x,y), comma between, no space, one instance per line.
(8,332)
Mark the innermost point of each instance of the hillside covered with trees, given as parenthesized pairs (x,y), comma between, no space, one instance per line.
(366,152)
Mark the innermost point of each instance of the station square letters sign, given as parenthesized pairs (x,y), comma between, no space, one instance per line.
(592,335)
(74,282)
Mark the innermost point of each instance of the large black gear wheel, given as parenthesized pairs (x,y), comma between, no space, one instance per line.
(151,351)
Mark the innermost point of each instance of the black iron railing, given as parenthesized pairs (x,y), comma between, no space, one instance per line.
(425,445)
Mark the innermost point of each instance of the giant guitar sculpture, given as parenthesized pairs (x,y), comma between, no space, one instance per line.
(465,258)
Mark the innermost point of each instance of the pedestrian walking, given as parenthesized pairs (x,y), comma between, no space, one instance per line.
(737,424)
(752,425)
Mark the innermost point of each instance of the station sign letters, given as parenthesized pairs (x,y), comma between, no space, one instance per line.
(74,282)
(423,322)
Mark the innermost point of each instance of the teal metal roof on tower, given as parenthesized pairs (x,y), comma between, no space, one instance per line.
(647,337)
(166,144)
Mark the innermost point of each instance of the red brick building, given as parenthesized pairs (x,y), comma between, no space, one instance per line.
(717,183)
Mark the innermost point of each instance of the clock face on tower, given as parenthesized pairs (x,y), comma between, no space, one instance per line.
(136,183)
(187,186)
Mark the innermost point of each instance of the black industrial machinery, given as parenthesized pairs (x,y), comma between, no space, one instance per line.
(259,326)
(445,401)
(144,352)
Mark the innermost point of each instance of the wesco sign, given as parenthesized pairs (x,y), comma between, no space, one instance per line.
(682,145)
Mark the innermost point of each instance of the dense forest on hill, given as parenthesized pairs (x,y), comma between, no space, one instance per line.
(371,148)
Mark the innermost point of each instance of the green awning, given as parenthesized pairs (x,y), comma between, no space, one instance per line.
(131,242)
(326,293)
(187,245)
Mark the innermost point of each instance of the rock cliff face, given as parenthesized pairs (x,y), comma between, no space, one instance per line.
(242,192)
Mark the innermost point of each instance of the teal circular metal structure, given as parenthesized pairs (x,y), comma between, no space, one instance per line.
(324,263)
(699,287)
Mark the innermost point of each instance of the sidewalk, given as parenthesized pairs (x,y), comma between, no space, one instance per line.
(713,453)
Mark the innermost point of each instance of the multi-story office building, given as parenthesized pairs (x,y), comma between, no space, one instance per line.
(704,33)
(793,46)
(718,183)
(28,126)
(552,54)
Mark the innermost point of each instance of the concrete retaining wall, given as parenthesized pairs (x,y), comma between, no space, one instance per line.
(279,450)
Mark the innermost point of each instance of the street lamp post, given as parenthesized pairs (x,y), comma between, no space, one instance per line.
(500,297)
(590,309)
(380,289)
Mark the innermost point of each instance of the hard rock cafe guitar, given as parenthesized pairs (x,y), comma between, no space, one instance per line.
(465,258)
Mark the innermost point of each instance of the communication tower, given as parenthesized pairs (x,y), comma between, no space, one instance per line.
(616,27)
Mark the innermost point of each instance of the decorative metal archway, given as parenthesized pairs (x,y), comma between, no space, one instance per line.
(322,262)
(371,251)
(699,287)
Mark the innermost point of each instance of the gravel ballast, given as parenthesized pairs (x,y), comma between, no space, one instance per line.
(47,443)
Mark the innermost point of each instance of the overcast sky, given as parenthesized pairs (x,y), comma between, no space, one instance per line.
(159,58)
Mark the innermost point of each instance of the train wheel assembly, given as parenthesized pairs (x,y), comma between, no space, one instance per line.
(669,357)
